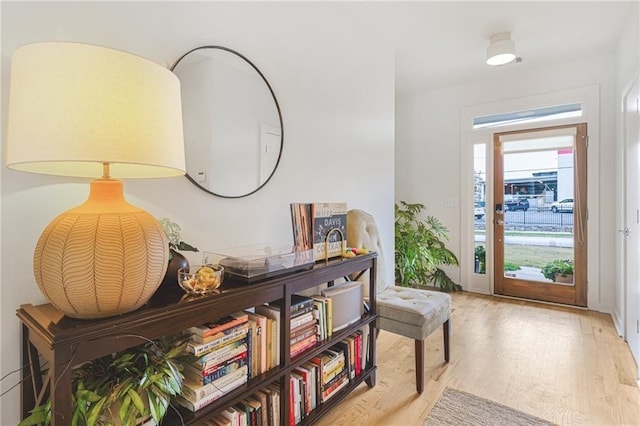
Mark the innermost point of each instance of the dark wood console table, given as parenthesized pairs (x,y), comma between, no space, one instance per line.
(66,342)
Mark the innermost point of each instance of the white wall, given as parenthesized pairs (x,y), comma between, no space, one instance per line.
(627,68)
(428,152)
(333,81)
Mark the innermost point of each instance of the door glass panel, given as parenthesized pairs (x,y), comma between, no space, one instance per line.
(538,209)
(479,207)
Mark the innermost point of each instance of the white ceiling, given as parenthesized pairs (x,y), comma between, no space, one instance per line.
(440,44)
(436,43)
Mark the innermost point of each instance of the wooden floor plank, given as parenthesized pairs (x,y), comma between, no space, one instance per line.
(562,364)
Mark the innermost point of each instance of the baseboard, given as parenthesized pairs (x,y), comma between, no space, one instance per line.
(617,323)
(478,290)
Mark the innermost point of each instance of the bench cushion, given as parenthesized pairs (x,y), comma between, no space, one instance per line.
(412,312)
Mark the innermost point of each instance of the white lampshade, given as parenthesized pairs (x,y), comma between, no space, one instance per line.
(88,111)
(74,106)
(501,49)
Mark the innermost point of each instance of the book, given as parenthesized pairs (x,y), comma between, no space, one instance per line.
(274,388)
(261,342)
(262,398)
(325,309)
(303,345)
(211,328)
(232,414)
(213,337)
(253,411)
(306,376)
(310,330)
(204,377)
(301,320)
(244,414)
(195,392)
(313,382)
(230,350)
(318,313)
(194,405)
(272,312)
(300,396)
(299,304)
(326,394)
(252,337)
(234,333)
(312,222)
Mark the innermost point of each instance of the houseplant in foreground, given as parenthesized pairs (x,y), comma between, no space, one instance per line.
(420,249)
(126,387)
(559,270)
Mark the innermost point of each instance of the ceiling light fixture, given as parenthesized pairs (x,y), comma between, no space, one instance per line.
(501,49)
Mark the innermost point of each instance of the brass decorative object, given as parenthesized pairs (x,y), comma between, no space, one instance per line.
(326,243)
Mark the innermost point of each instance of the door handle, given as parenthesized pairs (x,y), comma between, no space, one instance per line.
(624,231)
(500,222)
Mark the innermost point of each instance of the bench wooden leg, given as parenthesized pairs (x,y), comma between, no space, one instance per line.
(419,365)
(446,330)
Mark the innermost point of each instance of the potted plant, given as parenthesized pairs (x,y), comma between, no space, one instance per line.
(559,270)
(176,260)
(481,258)
(420,248)
(125,388)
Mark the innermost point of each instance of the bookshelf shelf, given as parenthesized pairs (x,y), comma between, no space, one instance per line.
(66,342)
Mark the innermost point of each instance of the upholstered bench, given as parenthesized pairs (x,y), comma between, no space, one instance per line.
(415,314)
(410,312)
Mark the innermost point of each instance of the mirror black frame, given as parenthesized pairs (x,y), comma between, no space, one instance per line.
(275,100)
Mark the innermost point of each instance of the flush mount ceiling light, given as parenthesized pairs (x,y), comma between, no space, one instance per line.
(501,49)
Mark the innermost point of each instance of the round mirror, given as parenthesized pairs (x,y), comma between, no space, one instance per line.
(232,122)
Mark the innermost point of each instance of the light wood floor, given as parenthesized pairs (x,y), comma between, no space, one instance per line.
(564,365)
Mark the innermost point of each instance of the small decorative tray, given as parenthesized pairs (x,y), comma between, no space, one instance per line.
(259,261)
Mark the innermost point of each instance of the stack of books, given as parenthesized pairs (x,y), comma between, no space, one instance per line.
(333,373)
(224,352)
(323,314)
(303,325)
(261,408)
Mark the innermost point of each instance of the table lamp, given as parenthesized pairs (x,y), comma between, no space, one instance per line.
(88,111)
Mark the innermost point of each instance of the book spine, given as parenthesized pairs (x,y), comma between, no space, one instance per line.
(211,329)
(311,331)
(199,392)
(210,362)
(308,307)
(301,320)
(300,303)
(199,404)
(225,370)
(199,376)
(198,349)
(334,389)
(220,334)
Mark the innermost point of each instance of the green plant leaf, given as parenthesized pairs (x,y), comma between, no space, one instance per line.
(420,248)
(137,400)
(40,414)
(88,395)
(95,412)
(123,413)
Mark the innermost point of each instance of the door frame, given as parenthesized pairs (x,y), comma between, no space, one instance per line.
(589,97)
(576,294)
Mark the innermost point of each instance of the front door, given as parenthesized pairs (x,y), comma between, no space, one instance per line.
(540,229)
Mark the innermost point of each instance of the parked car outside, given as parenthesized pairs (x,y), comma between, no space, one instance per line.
(520,204)
(565,205)
(478,211)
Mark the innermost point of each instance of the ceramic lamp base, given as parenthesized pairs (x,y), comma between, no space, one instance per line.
(102,258)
